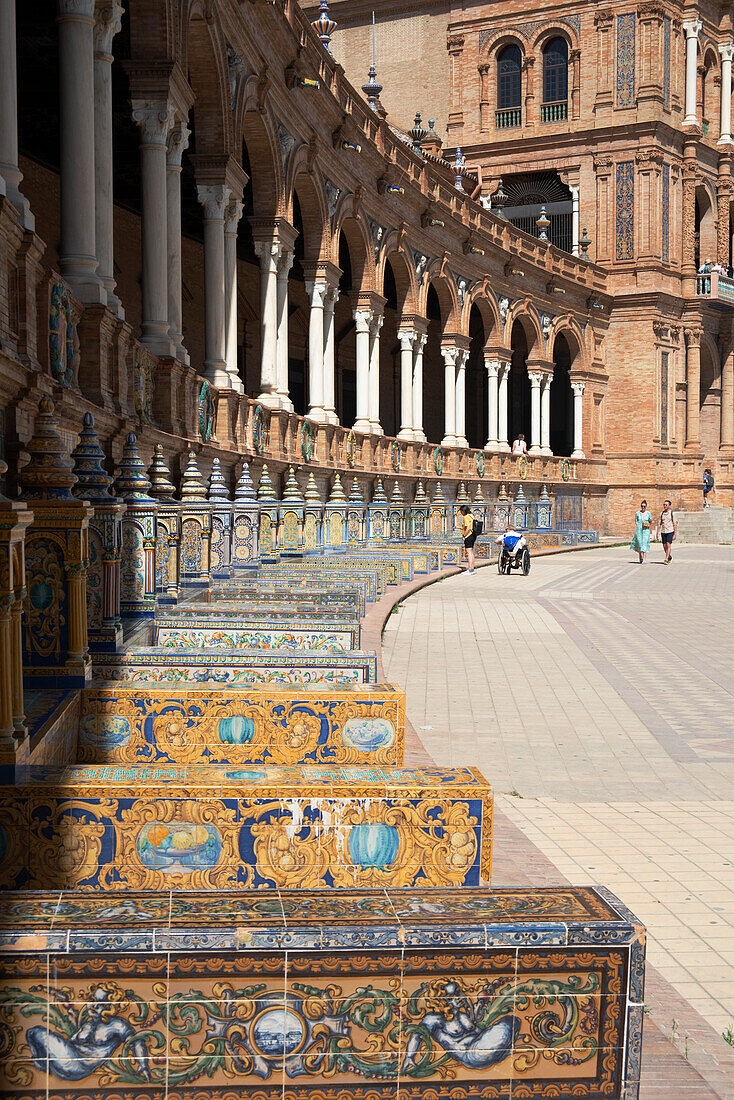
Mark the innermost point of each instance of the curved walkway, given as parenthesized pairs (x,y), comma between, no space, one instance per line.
(598,698)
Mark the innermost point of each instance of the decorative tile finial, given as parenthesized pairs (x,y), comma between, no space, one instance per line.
(356,495)
(93,481)
(499,200)
(420,494)
(585,244)
(311,496)
(192,483)
(520,497)
(462,496)
(265,490)
(161,486)
(438,497)
(244,489)
(379,496)
(337,491)
(132,483)
(49,474)
(373,87)
(291,490)
(458,169)
(417,134)
(324,25)
(397,496)
(502,497)
(479,497)
(544,498)
(542,223)
(218,489)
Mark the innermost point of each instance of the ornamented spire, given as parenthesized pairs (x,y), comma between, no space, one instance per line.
(462,496)
(458,169)
(379,496)
(420,494)
(132,483)
(479,495)
(265,490)
(355,495)
(311,496)
(373,88)
(499,200)
(337,491)
(417,134)
(93,481)
(218,489)
(544,498)
(161,486)
(502,497)
(324,25)
(49,474)
(291,491)
(245,489)
(542,223)
(520,497)
(397,496)
(438,497)
(192,483)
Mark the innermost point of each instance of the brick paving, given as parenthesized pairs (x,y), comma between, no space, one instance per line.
(596,695)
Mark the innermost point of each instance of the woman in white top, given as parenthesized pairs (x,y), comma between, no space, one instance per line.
(520,447)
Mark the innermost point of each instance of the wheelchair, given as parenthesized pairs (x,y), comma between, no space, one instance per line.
(507,561)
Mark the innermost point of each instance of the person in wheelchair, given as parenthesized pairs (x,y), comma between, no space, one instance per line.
(513,552)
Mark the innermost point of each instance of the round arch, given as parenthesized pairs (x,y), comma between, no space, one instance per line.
(406,290)
(447,294)
(710,398)
(361,254)
(204,59)
(314,213)
(483,300)
(705,233)
(525,314)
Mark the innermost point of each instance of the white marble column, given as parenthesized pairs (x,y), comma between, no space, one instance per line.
(535,380)
(726,51)
(363,322)
(268,252)
(449,400)
(545,386)
(692,28)
(155,118)
(284,267)
(10,173)
(492,366)
(503,399)
(316,290)
(108,14)
(407,342)
(375,425)
(578,419)
(214,198)
(232,215)
(420,342)
(330,299)
(574,218)
(460,405)
(77,256)
(177,142)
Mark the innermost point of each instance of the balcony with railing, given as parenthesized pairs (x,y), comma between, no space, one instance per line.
(508,118)
(718,289)
(554,112)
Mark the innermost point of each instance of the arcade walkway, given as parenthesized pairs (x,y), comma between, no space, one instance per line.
(598,698)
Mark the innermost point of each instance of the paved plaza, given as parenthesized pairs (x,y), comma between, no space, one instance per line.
(597,696)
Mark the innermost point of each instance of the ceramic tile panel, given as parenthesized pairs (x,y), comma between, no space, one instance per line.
(153,665)
(229,633)
(264,596)
(473,1021)
(354,724)
(345,572)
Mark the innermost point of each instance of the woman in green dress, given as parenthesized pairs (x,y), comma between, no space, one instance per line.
(641,538)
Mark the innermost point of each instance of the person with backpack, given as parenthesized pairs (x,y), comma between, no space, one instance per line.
(708,486)
(668,530)
(471,529)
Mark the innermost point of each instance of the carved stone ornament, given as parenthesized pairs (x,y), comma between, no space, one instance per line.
(107,23)
(155,119)
(603,161)
(693,336)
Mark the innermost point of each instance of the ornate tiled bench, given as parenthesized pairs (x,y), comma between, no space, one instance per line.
(335,574)
(154,665)
(190,632)
(265,599)
(120,827)
(351,725)
(224,609)
(376,995)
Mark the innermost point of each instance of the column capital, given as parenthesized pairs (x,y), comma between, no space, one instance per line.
(232,215)
(83,9)
(178,140)
(214,198)
(331,297)
(317,290)
(376,323)
(420,341)
(692,27)
(268,253)
(155,118)
(693,336)
(407,339)
(578,385)
(726,49)
(492,367)
(363,319)
(285,263)
(449,353)
(107,23)
(536,377)
(462,354)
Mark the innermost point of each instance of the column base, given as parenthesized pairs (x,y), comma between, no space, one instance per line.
(216,374)
(535,451)
(448,441)
(546,452)
(317,413)
(419,436)
(115,305)
(331,417)
(462,441)
(21,204)
(89,291)
(503,447)
(492,447)
(270,400)
(376,429)
(157,339)
(362,425)
(406,433)
(577,454)
(285,402)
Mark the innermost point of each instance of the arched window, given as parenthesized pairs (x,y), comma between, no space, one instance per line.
(509,87)
(555,80)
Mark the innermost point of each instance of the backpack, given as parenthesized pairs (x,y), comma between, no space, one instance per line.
(477,527)
(708,481)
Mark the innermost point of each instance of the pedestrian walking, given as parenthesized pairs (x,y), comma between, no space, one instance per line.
(641,538)
(469,534)
(708,486)
(519,447)
(668,530)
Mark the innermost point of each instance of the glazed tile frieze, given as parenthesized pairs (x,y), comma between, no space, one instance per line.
(153,665)
(229,633)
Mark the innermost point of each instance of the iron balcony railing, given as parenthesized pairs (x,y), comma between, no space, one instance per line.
(508,118)
(554,112)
